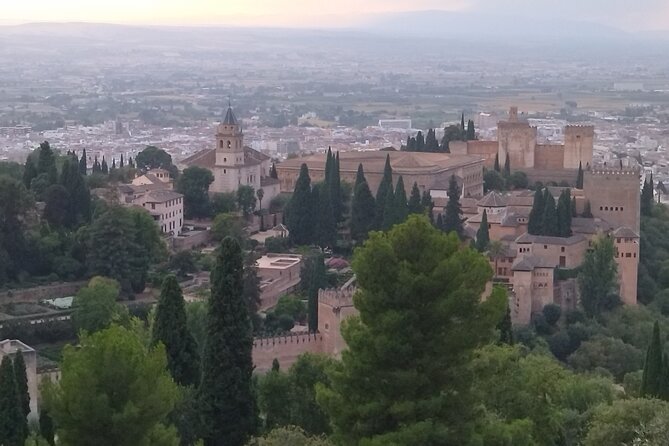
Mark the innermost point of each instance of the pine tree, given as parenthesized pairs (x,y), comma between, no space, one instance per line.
(496,167)
(427,204)
(507,166)
(505,328)
(13,424)
(318,281)
(385,188)
(535,222)
(83,163)
(482,235)
(549,224)
(415,206)
(170,328)
(401,208)
(121,163)
(579,176)
(227,406)
(103,167)
(300,218)
(363,209)
(651,382)
(29,172)
(21,378)
(471,131)
(453,211)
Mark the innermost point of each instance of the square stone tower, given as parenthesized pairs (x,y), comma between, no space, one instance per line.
(518,140)
(614,195)
(578,145)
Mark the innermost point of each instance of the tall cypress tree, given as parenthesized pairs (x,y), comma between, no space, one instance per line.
(427,204)
(535,222)
(46,429)
(579,176)
(440,222)
(359,176)
(103,167)
(170,328)
(335,191)
(496,166)
(462,123)
(505,328)
(385,187)
(363,209)
(401,208)
(46,162)
(420,142)
(573,207)
(507,166)
(318,281)
(453,211)
(227,406)
(329,166)
(651,382)
(13,424)
(471,131)
(587,212)
(415,206)
(389,211)
(83,163)
(326,224)
(564,214)
(122,163)
(22,383)
(80,196)
(647,197)
(300,217)
(482,235)
(549,224)
(29,172)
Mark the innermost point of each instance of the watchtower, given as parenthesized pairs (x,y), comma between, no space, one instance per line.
(578,145)
(614,195)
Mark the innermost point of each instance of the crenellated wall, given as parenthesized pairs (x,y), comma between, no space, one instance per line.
(285,349)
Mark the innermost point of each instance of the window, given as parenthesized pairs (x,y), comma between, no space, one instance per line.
(628,254)
(229,144)
(562,249)
(545,246)
(225,160)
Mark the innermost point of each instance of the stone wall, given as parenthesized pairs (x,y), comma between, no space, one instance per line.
(549,156)
(614,195)
(191,240)
(41,292)
(486,149)
(285,349)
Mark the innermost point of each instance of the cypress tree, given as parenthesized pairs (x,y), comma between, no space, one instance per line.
(170,328)
(505,328)
(573,207)
(46,162)
(535,222)
(385,188)
(507,166)
(131,163)
(329,166)
(651,382)
(647,197)
(453,211)
(227,407)
(389,211)
(326,225)
(13,424)
(335,191)
(273,172)
(431,143)
(579,176)
(462,124)
(96,165)
(440,222)
(359,177)
(471,131)
(21,378)
(83,163)
(300,217)
(318,281)
(549,224)
(482,235)
(113,166)
(363,211)
(29,172)
(427,204)
(46,429)
(420,142)
(80,196)
(496,167)
(587,213)
(401,208)
(415,206)
(564,214)
(103,167)
(122,163)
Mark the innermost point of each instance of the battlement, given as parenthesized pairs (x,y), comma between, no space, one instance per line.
(290,338)
(337,298)
(610,170)
(580,128)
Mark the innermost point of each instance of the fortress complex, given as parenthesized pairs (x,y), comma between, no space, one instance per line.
(541,162)
(428,170)
(539,270)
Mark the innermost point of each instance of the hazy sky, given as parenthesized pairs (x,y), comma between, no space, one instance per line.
(627,14)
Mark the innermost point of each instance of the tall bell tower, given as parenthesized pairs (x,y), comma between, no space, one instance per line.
(229,141)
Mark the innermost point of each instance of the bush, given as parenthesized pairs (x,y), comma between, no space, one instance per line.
(552,313)
(277,244)
(540,324)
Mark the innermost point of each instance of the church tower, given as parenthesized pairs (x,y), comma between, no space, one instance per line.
(229,141)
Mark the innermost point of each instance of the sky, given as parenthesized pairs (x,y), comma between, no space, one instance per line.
(631,15)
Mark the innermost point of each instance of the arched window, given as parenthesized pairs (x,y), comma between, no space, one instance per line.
(229,144)
(220,144)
